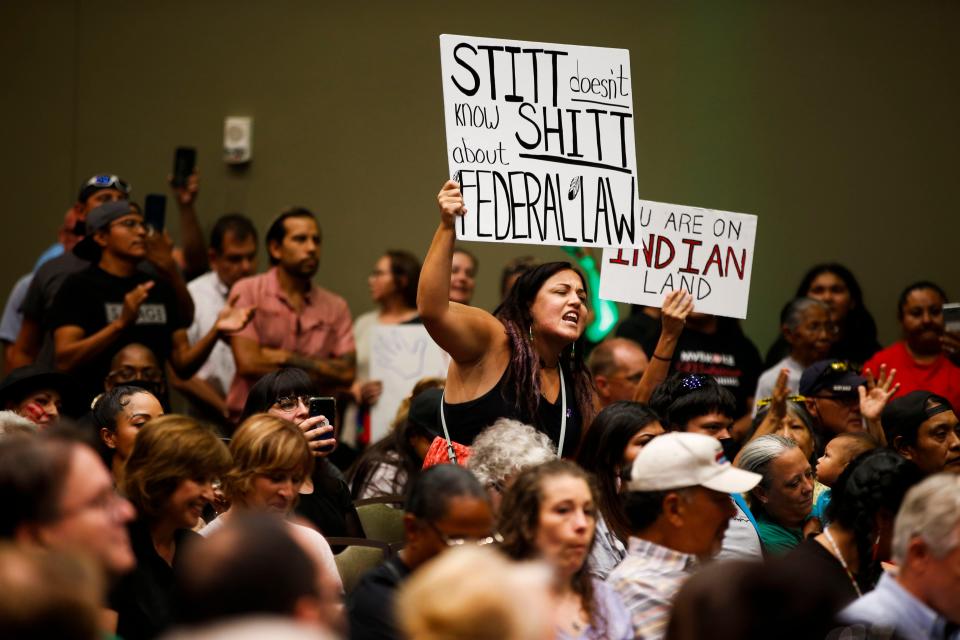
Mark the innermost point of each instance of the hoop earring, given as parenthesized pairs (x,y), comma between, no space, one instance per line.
(530,333)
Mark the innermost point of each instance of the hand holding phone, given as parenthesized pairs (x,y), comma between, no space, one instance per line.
(184,162)
(321,431)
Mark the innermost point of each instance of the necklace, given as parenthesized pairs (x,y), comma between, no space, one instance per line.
(843,563)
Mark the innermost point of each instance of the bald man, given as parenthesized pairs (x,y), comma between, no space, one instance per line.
(617,364)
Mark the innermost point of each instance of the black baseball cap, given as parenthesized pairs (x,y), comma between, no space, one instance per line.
(99,219)
(425,412)
(836,376)
(903,416)
(100,182)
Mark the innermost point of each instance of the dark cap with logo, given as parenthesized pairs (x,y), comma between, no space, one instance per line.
(835,376)
(100,182)
(903,416)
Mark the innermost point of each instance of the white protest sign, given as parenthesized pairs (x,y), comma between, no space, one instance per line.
(400,355)
(540,137)
(709,253)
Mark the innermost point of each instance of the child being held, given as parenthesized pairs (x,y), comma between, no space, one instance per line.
(836,456)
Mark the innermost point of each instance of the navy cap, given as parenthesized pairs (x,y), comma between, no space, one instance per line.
(99,219)
(903,416)
(836,376)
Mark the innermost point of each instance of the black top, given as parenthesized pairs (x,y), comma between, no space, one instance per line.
(727,355)
(466,420)
(640,328)
(145,597)
(813,558)
(330,506)
(38,302)
(92,298)
(370,605)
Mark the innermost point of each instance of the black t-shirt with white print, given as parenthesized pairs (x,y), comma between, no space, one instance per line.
(92,298)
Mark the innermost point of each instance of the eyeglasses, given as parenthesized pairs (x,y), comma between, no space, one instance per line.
(459,541)
(765,401)
(108,182)
(130,224)
(290,403)
(816,327)
(107,501)
(127,374)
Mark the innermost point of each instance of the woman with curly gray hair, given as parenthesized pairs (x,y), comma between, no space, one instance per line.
(503,450)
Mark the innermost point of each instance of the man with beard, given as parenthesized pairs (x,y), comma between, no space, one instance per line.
(297,323)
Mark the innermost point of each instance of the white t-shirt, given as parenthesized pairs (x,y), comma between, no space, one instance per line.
(741,541)
(209,297)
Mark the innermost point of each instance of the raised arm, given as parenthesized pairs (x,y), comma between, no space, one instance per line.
(676,307)
(191,236)
(465,332)
(773,421)
(874,397)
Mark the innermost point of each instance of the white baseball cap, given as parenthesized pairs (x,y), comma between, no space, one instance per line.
(678,460)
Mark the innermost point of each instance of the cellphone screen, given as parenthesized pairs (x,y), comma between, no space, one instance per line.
(951,317)
(155,211)
(184,162)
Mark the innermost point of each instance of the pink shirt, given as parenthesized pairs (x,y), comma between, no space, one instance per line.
(321,329)
(941,377)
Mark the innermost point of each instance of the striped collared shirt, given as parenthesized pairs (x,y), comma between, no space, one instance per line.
(647,581)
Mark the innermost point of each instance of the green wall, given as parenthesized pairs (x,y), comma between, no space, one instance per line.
(835,122)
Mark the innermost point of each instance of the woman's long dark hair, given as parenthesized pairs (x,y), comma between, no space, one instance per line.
(858,335)
(396,448)
(875,481)
(523,374)
(520,518)
(601,453)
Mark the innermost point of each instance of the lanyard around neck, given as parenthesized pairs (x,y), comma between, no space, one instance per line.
(452,455)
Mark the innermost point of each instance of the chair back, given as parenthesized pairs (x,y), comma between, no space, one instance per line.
(381,519)
(358,556)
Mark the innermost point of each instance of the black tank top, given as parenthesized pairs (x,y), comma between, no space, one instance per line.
(466,420)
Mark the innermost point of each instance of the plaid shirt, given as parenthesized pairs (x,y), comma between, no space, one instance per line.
(647,580)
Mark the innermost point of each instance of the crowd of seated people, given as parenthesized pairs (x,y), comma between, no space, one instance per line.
(187,450)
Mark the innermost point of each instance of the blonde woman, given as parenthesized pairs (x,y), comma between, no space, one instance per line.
(271,459)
